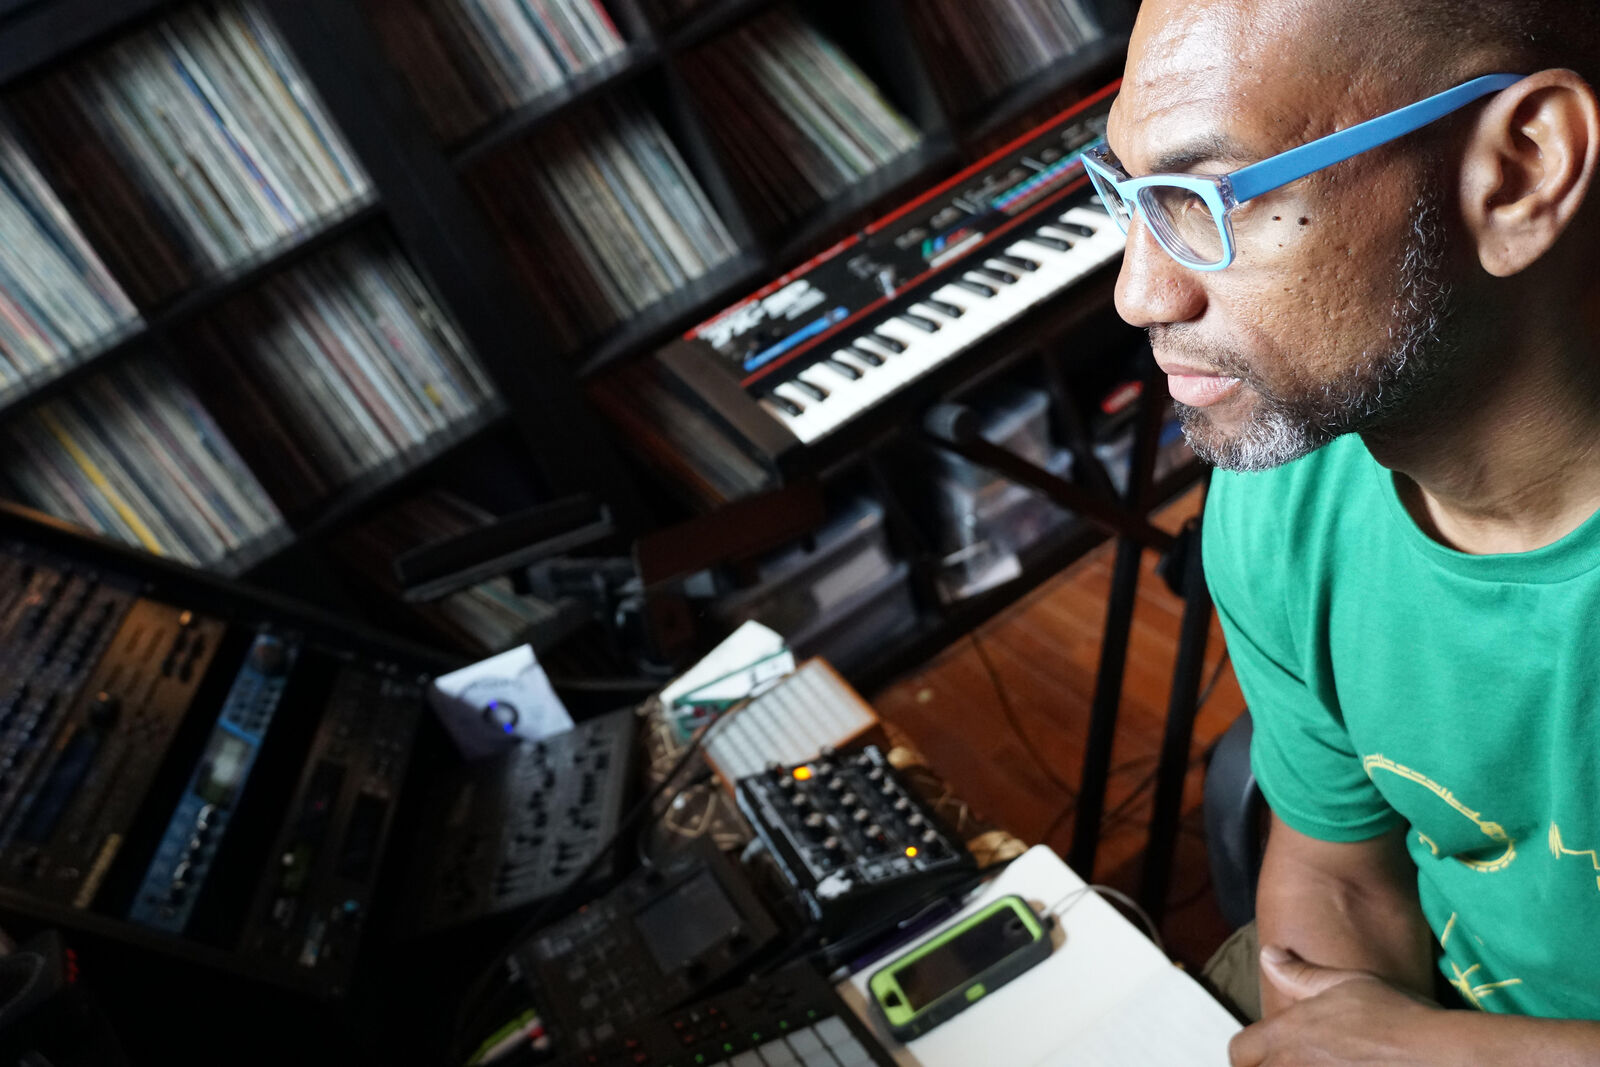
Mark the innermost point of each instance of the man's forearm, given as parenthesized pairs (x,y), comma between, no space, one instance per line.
(1475,1038)
(1362,917)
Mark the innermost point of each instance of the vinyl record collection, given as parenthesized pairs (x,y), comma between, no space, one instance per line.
(983,47)
(56,298)
(633,224)
(469,60)
(334,367)
(794,115)
(134,455)
(189,147)
(489,617)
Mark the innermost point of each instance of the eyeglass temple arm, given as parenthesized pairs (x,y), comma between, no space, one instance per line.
(1296,163)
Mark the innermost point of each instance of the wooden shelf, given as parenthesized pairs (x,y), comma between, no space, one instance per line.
(925,164)
(702,26)
(702,297)
(1077,69)
(174,314)
(37,33)
(384,481)
(637,59)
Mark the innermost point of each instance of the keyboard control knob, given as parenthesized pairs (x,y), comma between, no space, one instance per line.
(815,824)
(861,815)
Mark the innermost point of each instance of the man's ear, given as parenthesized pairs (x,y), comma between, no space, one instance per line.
(1528,168)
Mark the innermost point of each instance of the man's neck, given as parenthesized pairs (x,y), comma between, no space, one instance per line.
(1510,462)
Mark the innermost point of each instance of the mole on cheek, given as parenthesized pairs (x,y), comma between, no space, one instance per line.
(1305,221)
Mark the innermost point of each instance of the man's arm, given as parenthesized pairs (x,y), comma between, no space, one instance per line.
(1347,961)
(1348,906)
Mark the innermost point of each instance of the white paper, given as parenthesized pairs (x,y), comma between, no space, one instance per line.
(1095,1000)
(498,701)
(732,670)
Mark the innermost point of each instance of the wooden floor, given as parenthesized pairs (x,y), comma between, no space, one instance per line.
(1016,769)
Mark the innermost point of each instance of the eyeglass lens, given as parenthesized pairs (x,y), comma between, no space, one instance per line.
(1184,223)
(1119,208)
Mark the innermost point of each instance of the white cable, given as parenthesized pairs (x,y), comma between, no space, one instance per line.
(1120,897)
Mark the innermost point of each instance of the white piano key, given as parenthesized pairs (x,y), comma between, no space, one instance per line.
(925,352)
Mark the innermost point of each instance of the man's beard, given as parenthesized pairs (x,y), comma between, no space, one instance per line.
(1375,389)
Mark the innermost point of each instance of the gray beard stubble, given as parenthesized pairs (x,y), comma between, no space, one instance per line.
(1375,389)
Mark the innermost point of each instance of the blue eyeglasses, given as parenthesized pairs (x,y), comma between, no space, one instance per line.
(1190,215)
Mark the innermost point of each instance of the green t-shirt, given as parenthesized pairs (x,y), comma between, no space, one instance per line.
(1393,681)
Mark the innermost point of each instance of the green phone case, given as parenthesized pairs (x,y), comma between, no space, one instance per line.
(894,1006)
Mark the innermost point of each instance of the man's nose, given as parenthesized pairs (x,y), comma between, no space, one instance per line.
(1154,289)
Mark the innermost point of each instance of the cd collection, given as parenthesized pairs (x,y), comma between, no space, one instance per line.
(334,367)
(134,455)
(632,223)
(186,148)
(470,60)
(57,300)
(488,617)
(795,116)
(980,48)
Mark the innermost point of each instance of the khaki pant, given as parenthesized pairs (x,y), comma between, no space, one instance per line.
(1234,973)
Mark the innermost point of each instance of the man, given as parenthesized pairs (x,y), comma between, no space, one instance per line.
(1407,343)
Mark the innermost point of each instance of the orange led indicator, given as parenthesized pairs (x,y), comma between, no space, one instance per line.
(802,774)
(911,851)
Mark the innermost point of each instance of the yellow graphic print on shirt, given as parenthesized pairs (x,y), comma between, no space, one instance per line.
(1472,993)
(1559,849)
(1493,830)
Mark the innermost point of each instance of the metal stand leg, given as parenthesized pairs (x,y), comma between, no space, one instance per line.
(1103,712)
(1181,709)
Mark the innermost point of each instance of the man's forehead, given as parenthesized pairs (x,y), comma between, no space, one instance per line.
(1231,75)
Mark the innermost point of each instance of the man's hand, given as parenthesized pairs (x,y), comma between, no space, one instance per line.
(1335,1017)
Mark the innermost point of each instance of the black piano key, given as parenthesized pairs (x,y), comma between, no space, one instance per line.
(1017,261)
(975,287)
(891,343)
(785,405)
(844,368)
(945,308)
(921,322)
(1004,277)
(1075,227)
(866,355)
(1055,244)
(815,392)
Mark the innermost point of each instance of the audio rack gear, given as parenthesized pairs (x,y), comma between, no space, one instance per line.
(519,827)
(309,912)
(791,1019)
(851,838)
(177,873)
(156,724)
(660,938)
(84,749)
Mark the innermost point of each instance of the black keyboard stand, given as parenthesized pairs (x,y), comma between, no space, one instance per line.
(955,428)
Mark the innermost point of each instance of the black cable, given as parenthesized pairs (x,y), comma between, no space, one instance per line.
(1011,719)
(465,1017)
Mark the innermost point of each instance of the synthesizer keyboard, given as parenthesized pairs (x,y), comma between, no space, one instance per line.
(825,346)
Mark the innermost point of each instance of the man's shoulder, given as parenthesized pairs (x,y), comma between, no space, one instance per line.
(1283,519)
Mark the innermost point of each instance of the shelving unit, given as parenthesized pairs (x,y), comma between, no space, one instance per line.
(423,198)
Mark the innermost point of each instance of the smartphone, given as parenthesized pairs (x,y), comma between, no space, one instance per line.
(952,970)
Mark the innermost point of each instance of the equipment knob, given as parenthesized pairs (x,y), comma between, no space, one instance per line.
(785,783)
(902,804)
(887,789)
(929,837)
(830,845)
(875,775)
(269,657)
(103,709)
(815,823)
(180,873)
(850,800)
(836,784)
(861,815)
(915,820)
